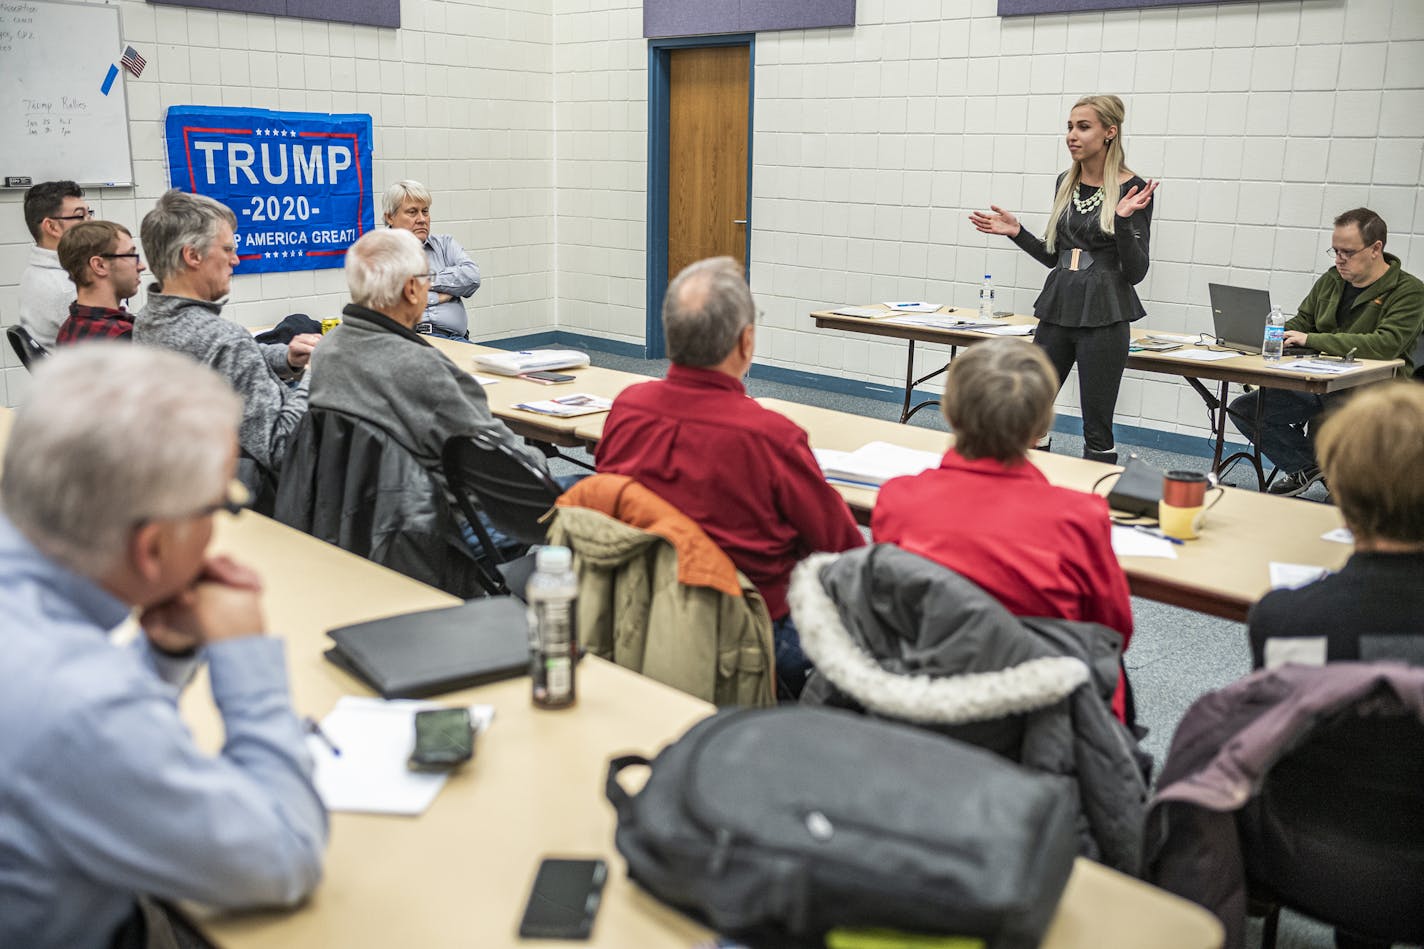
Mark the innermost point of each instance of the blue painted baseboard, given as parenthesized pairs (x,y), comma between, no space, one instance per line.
(1196,445)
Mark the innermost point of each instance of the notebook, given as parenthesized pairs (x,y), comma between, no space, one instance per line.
(435,651)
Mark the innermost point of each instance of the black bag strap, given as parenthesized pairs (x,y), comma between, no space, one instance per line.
(620,798)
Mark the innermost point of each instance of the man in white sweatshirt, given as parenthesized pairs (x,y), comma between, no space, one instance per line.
(51,208)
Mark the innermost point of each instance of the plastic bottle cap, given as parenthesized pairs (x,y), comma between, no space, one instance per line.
(988,276)
(553,559)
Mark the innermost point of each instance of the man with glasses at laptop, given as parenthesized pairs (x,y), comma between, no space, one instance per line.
(51,209)
(1366,307)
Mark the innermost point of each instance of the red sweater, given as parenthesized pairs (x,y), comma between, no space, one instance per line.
(1040,550)
(745,474)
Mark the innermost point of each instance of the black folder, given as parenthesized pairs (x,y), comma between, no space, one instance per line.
(414,655)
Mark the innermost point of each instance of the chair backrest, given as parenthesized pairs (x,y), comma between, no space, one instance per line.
(1417,357)
(25,346)
(1337,830)
(485,475)
(349,483)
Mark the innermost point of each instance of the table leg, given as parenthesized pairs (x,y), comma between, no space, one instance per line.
(1254,455)
(908,412)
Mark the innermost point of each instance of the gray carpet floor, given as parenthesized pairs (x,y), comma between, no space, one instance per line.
(1177,655)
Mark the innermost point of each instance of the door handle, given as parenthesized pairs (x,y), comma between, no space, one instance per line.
(739,222)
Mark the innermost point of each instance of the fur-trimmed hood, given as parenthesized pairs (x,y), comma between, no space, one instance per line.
(901,637)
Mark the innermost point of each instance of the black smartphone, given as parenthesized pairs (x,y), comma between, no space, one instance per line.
(548,378)
(444,738)
(564,899)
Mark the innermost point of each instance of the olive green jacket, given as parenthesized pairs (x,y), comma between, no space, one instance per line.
(1384,320)
(633,611)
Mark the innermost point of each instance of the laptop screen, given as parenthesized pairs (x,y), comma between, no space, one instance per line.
(1239,316)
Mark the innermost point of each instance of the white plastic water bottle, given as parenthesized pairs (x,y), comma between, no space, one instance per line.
(552,595)
(986,298)
(1275,340)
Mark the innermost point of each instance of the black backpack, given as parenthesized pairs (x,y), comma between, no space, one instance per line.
(778,825)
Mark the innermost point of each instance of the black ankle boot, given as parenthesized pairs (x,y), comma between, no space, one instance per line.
(1110,456)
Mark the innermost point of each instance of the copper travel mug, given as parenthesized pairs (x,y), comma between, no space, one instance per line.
(1184,488)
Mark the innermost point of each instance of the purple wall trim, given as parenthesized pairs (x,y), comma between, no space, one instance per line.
(1030,7)
(365,12)
(665,18)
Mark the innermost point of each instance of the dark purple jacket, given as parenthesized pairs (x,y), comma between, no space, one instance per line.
(1221,753)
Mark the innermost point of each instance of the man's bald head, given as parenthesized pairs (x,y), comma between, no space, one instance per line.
(706,308)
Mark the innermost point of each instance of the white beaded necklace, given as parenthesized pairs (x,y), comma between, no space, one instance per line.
(1089,204)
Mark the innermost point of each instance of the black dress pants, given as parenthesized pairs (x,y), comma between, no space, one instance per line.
(1100,353)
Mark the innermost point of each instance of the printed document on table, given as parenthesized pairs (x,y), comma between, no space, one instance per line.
(375,737)
(864,312)
(1340,535)
(1289,576)
(939,322)
(873,464)
(568,406)
(1319,366)
(1201,355)
(1127,542)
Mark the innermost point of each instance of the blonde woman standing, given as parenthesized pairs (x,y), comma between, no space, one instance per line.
(1096,243)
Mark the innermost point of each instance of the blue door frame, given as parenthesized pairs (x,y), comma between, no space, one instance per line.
(659,92)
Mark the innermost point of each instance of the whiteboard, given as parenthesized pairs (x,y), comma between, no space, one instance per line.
(56,122)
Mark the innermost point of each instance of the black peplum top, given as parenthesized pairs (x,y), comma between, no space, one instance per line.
(1100,294)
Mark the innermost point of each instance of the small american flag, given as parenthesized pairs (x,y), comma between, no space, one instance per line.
(132,61)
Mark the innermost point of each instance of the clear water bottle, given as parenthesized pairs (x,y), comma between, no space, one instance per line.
(1274,342)
(553,634)
(986,298)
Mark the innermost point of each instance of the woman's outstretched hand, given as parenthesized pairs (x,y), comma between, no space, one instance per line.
(1000,222)
(1135,200)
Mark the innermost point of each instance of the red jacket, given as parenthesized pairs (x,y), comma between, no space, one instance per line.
(1040,549)
(745,474)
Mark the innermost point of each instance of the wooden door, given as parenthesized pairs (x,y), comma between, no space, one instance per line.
(709,99)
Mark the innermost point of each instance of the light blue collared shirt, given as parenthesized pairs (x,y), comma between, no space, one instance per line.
(455,274)
(103,794)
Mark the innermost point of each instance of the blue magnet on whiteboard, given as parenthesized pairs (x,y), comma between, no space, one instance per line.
(109,79)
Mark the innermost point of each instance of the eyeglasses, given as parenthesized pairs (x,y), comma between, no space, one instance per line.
(85,214)
(135,255)
(235,499)
(1337,254)
(428,277)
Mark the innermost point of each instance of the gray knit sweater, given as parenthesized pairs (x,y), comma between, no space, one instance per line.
(257,371)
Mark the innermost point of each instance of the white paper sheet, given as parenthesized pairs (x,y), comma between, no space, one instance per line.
(376,737)
(1008,329)
(1340,535)
(1175,337)
(915,306)
(1289,576)
(865,312)
(485,380)
(940,322)
(1201,355)
(1129,542)
(874,463)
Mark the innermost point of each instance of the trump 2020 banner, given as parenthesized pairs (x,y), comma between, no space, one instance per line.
(299,182)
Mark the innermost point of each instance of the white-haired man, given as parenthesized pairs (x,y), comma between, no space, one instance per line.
(376,367)
(114,470)
(191,248)
(455,276)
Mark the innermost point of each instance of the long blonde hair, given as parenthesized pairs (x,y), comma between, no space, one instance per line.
(1110,111)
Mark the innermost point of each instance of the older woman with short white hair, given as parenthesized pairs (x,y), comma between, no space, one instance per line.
(455,276)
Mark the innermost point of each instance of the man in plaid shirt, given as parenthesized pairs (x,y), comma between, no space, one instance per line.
(104,263)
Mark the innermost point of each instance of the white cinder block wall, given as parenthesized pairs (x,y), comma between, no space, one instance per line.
(871,146)
(461,98)
(529,119)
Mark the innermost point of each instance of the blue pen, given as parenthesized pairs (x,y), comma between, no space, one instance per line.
(314,729)
(1155,532)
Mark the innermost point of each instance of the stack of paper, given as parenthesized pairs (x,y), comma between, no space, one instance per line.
(1006,329)
(361,756)
(568,406)
(1329,367)
(873,464)
(864,312)
(530,360)
(1130,542)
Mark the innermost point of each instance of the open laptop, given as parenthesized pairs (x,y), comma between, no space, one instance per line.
(1239,315)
